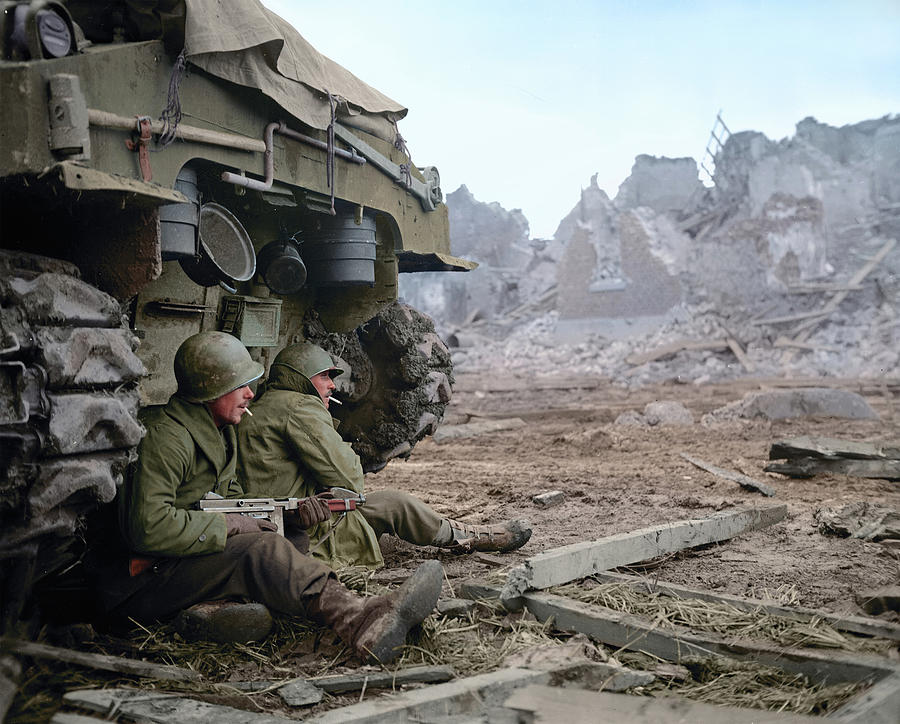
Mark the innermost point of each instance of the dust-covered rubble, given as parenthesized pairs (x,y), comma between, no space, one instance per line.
(789,258)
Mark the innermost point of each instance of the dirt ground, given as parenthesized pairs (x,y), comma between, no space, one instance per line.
(616,479)
(619,478)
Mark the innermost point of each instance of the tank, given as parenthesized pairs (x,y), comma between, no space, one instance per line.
(161,174)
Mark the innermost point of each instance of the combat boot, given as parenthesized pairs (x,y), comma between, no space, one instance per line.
(499,538)
(226,622)
(376,627)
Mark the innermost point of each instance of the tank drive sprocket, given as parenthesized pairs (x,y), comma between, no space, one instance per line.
(400,382)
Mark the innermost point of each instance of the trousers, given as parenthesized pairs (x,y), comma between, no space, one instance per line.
(402,515)
(262,567)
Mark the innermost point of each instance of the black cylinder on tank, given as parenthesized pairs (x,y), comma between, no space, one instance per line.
(341,252)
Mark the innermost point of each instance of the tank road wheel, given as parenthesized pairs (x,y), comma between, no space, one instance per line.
(399,386)
(68,418)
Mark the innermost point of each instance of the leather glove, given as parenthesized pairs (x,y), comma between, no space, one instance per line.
(237,523)
(313,511)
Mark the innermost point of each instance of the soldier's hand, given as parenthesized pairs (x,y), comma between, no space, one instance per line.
(313,511)
(237,523)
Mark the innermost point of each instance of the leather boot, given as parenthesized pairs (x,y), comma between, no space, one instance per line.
(376,627)
(224,621)
(500,538)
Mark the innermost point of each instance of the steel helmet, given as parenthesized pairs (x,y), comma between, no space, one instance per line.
(211,364)
(308,359)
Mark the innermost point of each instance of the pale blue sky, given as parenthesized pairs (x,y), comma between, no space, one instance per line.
(523,102)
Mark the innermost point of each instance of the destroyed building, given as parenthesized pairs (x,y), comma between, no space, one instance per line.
(787,257)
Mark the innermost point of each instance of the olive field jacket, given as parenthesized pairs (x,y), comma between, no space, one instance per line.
(290,448)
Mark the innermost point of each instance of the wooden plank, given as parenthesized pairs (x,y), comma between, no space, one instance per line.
(159,707)
(854,624)
(383,679)
(809,467)
(672,348)
(738,351)
(808,446)
(146,669)
(785,342)
(789,318)
(623,630)
(744,481)
(820,288)
(462,696)
(877,705)
(569,563)
(577,706)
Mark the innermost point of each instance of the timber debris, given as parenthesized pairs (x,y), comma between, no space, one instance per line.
(805,457)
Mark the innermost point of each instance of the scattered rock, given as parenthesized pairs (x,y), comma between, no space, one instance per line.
(631,418)
(455,607)
(549,499)
(301,693)
(869,521)
(667,412)
(803,402)
(473,429)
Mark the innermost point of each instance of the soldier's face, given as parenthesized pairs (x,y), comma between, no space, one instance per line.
(324,385)
(229,408)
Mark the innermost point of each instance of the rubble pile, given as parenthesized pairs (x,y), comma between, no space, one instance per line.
(784,267)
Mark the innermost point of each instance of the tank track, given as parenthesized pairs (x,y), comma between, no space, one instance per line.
(400,384)
(68,418)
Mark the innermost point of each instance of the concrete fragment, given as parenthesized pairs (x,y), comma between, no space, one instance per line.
(549,499)
(861,519)
(879,600)
(455,607)
(667,412)
(803,402)
(631,418)
(301,693)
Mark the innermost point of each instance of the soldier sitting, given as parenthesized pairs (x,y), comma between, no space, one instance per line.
(181,556)
(290,448)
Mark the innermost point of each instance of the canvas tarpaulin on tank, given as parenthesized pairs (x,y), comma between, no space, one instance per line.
(247,44)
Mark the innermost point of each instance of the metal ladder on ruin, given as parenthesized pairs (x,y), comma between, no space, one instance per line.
(717,137)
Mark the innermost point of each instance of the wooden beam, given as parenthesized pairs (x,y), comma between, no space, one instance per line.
(441,700)
(854,624)
(876,705)
(569,563)
(146,669)
(738,351)
(383,679)
(743,480)
(809,467)
(785,342)
(159,707)
(623,630)
(789,318)
(828,447)
(672,348)
(577,706)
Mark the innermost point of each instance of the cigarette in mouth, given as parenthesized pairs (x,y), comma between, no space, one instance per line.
(247,410)
(335,400)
